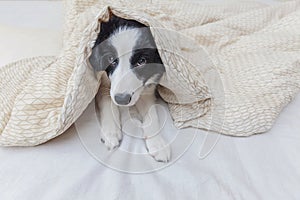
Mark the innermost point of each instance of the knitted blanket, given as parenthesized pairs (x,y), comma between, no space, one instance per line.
(229,68)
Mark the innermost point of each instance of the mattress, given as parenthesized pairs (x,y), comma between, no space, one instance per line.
(208,166)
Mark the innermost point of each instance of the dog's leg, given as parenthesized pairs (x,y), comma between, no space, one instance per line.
(155,144)
(109,117)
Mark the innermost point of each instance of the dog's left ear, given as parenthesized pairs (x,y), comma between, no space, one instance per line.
(95,59)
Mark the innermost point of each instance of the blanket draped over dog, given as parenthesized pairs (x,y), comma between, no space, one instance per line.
(229,68)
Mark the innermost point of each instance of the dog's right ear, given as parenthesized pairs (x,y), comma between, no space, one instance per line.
(95,59)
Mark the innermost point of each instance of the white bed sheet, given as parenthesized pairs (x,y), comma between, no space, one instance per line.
(263,166)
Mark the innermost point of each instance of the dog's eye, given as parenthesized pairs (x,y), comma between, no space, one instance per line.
(141,61)
(110,58)
(113,62)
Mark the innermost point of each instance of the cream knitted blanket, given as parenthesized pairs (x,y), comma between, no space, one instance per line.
(229,68)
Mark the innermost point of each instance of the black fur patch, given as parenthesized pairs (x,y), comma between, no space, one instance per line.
(152,67)
(101,47)
(145,47)
(107,28)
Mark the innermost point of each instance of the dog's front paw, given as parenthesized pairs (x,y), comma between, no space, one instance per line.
(111,137)
(158,149)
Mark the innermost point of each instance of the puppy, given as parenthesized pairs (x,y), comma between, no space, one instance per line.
(126,50)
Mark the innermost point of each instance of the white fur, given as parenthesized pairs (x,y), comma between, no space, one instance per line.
(151,126)
(111,133)
(123,80)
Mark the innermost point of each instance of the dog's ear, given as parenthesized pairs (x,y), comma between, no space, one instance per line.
(95,59)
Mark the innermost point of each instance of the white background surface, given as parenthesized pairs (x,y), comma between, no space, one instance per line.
(265,166)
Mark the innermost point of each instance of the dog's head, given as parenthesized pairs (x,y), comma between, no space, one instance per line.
(126,50)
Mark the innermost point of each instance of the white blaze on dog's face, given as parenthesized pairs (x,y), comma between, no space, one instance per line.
(129,56)
(123,80)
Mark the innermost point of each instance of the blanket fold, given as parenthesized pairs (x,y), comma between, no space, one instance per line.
(229,68)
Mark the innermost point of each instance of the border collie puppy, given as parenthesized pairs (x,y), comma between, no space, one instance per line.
(126,50)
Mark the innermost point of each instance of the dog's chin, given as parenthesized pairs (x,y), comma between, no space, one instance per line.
(132,103)
(128,105)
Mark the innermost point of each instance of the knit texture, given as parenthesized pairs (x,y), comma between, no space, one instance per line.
(229,68)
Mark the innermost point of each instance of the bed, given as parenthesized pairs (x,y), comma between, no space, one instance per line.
(263,166)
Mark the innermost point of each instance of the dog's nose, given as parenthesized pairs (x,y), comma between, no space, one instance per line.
(123,98)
